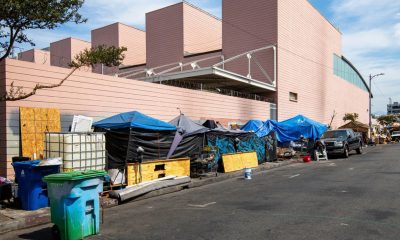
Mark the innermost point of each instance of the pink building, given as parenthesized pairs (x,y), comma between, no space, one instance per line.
(180,30)
(266,59)
(64,51)
(121,35)
(38,56)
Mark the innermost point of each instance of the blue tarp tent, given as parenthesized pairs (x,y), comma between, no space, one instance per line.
(267,127)
(134,120)
(252,126)
(292,129)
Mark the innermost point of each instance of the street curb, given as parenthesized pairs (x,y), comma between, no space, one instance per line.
(42,216)
(24,219)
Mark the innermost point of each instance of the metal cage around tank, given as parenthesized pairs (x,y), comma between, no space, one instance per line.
(79,151)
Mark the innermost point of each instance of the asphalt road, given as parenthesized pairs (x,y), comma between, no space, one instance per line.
(355,198)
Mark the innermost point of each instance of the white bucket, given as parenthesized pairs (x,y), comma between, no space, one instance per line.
(247,173)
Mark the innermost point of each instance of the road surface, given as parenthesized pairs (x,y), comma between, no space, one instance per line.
(355,198)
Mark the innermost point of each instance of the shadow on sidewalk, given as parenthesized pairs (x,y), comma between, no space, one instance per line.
(44,233)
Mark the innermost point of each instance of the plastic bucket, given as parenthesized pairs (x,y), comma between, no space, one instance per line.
(247,173)
(307,159)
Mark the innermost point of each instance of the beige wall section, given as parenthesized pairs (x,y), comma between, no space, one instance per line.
(135,40)
(202,31)
(121,35)
(307,42)
(249,25)
(164,36)
(178,30)
(101,96)
(35,55)
(62,52)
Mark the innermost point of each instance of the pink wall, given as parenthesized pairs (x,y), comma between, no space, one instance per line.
(35,55)
(307,42)
(178,30)
(249,25)
(63,52)
(164,36)
(121,35)
(202,31)
(101,96)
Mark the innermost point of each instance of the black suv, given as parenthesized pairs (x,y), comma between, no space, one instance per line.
(342,141)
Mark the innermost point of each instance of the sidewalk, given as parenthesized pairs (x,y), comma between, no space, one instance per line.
(12,219)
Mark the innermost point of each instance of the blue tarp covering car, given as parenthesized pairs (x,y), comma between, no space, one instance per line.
(134,120)
(293,129)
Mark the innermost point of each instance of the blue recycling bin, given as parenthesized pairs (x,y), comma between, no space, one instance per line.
(32,190)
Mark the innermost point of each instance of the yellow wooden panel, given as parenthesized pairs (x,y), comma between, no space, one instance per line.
(28,142)
(232,162)
(27,113)
(152,170)
(249,160)
(34,123)
(239,161)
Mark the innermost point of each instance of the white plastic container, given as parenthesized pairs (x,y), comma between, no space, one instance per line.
(79,151)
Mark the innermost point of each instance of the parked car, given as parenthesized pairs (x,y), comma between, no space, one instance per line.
(396,136)
(342,142)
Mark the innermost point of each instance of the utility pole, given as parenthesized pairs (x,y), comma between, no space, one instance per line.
(370,99)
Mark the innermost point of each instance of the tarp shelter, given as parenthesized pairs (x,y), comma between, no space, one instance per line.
(293,129)
(224,142)
(267,127)
(356,126)
(211,124)
(134,120)
(185,128)
(125,132)
(252,126)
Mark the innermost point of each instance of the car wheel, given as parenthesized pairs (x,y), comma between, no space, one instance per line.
(359,150)
(346,152)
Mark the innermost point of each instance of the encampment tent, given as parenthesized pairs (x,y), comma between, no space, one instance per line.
(126,132)
(293,129)
(252,126)
(185,128)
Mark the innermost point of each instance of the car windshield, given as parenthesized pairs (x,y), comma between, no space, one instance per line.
(335,134)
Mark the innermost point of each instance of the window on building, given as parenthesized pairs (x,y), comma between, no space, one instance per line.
(343,70)
(293,97)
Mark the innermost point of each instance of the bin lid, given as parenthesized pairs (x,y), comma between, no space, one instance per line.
(74,176)
(26,164)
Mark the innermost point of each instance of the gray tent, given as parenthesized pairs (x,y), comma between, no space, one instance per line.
(185,127)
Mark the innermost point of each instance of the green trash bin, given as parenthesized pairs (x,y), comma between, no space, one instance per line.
(74,203)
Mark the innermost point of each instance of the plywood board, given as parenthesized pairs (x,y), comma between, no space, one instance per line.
(156,169)
(34,122)
(239,161)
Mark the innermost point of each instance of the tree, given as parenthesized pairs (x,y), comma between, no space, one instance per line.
(385,120)
(352,117)
(16,16)
(109,56)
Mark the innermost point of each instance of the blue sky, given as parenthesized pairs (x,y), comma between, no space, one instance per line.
(371,33)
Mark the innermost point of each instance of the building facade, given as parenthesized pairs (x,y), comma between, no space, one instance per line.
(269,59)
(393,108)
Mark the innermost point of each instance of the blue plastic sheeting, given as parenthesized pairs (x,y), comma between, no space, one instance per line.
(225,143)
(134,120)
(266,128)
(293,129)
(252,126)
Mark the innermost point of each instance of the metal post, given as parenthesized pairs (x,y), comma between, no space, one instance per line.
(369,111)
